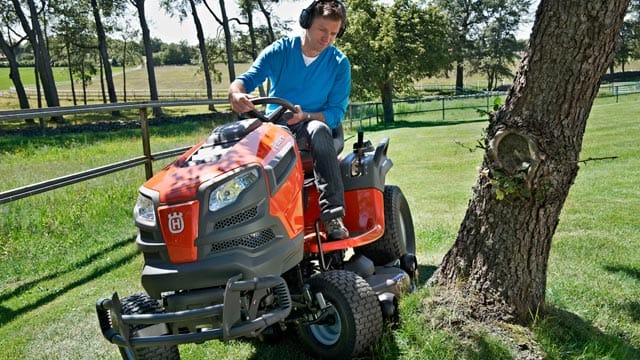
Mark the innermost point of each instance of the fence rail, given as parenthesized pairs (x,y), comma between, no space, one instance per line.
(146,159)
(131,95)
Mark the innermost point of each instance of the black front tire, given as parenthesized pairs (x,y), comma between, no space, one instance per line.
(144,304)
(354,321)
(399,235)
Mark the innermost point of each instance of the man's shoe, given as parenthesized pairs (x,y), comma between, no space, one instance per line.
(336,230)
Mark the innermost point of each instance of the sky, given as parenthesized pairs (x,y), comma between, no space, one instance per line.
(170,30)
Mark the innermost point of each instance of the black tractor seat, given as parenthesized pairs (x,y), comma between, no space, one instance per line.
(305,150)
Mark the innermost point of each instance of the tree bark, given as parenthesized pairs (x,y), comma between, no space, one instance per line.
(387,102)
(460,78)
(500,256)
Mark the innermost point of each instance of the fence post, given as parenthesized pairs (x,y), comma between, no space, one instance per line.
(146,147)
(443,109)
(616,91)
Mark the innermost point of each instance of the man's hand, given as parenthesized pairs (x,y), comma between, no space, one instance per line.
(241,102)
(298,117)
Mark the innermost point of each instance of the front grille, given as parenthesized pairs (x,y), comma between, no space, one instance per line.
(251,241)
(236,218)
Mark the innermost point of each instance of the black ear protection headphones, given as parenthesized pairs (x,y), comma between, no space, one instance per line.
(306,15)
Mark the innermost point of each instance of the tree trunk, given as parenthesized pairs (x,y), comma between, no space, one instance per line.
(104,94)
(69,67)
(203,53)
(387,102)
(148,52)
(499,259)
(104,56)
(83,76)
(124,70)
(459,78)
(14,75)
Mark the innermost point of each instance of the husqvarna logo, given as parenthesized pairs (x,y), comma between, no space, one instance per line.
(176,223)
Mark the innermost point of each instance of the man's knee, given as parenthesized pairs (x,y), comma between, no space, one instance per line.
(317,127)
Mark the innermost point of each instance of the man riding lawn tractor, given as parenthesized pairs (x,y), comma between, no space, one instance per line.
(262,228)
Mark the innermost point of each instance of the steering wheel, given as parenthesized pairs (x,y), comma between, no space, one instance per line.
(276,115)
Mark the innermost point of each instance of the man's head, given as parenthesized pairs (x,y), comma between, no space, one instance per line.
(332,10)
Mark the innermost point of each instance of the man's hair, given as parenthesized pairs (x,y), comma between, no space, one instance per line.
(333,10)
(330,9)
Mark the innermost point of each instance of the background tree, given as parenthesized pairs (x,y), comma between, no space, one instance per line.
(627,44)
(216,54)
(73,40)
(392,46)
(31,26)
(223,20)
(176,54)
(266,12)
(106,8)
(496,49)
(128,50)
(181,8)
(464,18)
(498,262)
(148,53)
(8,48)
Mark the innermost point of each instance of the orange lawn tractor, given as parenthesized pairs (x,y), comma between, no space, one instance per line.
(234,247)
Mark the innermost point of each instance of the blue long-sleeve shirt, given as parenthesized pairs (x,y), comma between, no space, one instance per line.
(322,86)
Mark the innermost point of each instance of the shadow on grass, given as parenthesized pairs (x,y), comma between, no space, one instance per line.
(486,347)
(565,335)
(629,270)
(7,315)
(632,308)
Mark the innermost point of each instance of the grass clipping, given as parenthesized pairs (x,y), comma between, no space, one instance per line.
(451,311)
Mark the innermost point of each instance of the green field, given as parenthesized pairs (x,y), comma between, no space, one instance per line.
(62,250)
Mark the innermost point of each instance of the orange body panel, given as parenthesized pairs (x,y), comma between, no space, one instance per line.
(287,203)
(179,226)
(364,218)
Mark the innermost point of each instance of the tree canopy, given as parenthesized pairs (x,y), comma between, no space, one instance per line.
(392,46)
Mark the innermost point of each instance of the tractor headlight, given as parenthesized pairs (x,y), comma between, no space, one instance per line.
(229,191)
(144,211)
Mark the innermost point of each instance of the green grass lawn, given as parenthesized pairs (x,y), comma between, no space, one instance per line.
(62,250)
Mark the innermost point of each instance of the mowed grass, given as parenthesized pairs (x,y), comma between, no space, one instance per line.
(63,250)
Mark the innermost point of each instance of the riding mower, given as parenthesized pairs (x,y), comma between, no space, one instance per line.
(234,246)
